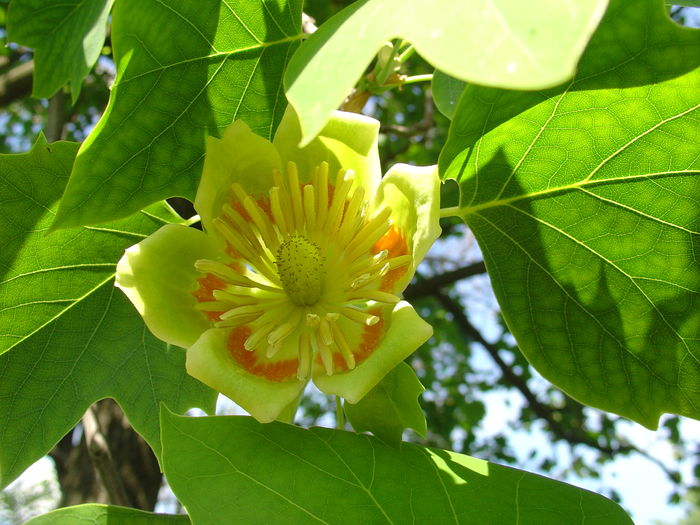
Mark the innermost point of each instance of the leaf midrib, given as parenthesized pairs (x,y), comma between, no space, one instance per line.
(224,54)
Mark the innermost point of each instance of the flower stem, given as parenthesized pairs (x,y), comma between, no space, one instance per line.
(453,211)
(406,53)
(339,419)
(192,220)
(410,80)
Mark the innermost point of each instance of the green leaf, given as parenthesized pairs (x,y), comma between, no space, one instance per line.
(390,407)
(67,38)
(230,469)
(524,45)
(446,92)
(96,514)
(69,337)
(585,202)
(185,70)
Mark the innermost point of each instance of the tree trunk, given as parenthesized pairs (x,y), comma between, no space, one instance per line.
(134,464)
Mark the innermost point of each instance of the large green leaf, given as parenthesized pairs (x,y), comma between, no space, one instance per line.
(67,38)
(185,70)
(230,469)
(96,514)
(585,201)
(523,45)
(70,337)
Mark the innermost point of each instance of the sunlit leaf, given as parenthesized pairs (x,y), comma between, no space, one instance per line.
(185,70)
(67,38)
(69,336)
(525,45)
(585,201)
(235,470)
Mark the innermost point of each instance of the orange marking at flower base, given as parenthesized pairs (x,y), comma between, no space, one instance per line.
(275,371)
(371,335)
(240,209)
(396,245)
(263,202)
(205,293)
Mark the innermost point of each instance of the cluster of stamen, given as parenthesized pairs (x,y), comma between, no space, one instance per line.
(304,256)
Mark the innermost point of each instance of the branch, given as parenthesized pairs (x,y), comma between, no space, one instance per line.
(16,83)
(542,411)
(427,287)
(426,123)
(102,459)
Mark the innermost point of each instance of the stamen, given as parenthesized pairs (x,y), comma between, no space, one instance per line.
(296,196)
(325,331)
(362,262)
(310,207)
(259,262)
(359,316)
(343,346)
(369,235)
(229,275)
(241,310)
(399,260)
(277,212)
(352,220)
(262,223)
(324,351)
(322,188)
(335,214)
(305,356)
(374,295)
(280,333)
(369,277)
(232,323)
(258,335)
(285,200)
(212,306)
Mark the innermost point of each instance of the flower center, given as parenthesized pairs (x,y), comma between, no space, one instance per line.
(309,263)
(300,268)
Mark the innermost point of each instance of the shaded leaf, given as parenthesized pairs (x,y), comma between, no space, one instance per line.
(585,201)
(185,70)
(96,514)
(70,338)
(390,407)
(67,38)
(232,469)
(520,45)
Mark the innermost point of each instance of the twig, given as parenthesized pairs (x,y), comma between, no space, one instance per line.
(429,286)
(426,123)
(102,459)
(16,83)
(542,411)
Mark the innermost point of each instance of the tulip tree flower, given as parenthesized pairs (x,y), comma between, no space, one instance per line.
(298,273)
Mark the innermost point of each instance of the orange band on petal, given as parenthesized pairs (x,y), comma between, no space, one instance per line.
(263,202)
(275,371)
(371,336)
(396,245)
(205,293)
